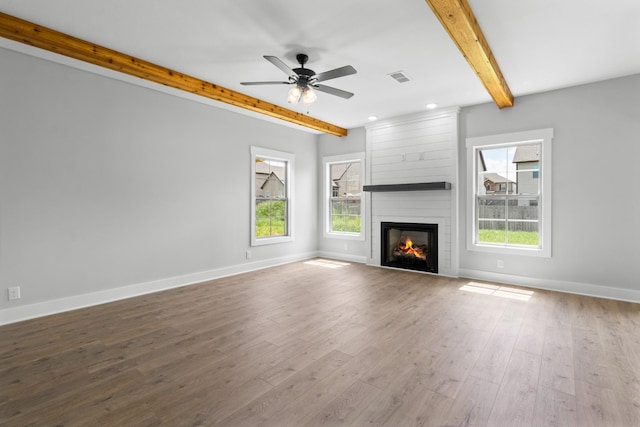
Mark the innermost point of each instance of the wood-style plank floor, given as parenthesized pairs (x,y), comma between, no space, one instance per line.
(328,343)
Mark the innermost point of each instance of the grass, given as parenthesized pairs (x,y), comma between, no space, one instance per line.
(270,218)
(266,227)
(345,223)
(529,238)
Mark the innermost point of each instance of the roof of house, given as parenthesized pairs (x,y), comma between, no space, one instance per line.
(527,153)
(482,163)
(270,178)
(496,178)
(267,168)
(338,170)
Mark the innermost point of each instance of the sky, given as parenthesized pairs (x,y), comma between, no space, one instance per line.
(499,160)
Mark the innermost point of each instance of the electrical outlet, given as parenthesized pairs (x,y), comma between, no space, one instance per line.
(14,292)
(248,254)
(500,263)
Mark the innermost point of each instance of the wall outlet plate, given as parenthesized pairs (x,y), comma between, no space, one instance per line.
(14,292)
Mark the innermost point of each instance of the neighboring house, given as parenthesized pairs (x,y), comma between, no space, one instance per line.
(482,167)
(527,160)
(269,180)
(497,184)
(342,182)
(493,183)
(272,186)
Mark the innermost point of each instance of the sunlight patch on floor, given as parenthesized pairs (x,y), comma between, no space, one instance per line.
(498,291)
(326,263)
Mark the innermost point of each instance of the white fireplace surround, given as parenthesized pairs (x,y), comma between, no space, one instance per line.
(414,149)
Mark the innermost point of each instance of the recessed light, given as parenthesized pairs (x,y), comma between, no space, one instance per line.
(373,118)
(431,106)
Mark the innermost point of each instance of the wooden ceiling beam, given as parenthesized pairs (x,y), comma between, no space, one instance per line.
(458,19)
(48,39)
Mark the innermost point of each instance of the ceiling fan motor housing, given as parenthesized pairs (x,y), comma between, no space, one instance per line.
(305,75)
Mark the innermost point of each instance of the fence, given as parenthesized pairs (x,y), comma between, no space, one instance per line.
(522,213)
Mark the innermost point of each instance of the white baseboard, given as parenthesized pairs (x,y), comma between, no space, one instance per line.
(31,311)
(343,257)
(599,291)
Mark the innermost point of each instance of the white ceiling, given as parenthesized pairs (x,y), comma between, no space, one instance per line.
(539,45)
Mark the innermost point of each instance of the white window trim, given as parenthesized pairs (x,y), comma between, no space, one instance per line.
(544,137)
(326,162)
(273,155)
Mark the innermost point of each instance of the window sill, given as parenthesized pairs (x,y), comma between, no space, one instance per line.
(344,236)
(511,250)
(270,240)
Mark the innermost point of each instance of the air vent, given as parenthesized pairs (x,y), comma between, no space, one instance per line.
(400,77)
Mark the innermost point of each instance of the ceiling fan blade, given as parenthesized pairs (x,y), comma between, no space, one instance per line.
(333,91)
(264,83)
(347,70)
(278,63)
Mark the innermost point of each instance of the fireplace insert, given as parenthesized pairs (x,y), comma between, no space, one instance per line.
(412,246)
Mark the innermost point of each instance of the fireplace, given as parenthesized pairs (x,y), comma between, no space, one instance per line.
(410,245)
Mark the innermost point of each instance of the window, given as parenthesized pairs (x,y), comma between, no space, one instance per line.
(517,219)
(271,191)
(343,194)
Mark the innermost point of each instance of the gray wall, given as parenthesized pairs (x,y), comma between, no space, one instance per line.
(596,200)
(329,145)
(104,184)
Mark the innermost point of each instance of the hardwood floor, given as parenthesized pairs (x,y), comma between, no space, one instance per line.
(328,343)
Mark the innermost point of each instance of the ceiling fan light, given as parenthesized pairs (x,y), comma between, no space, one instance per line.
(294,94)
(309,96)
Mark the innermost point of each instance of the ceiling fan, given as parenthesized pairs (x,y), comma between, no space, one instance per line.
(305,79)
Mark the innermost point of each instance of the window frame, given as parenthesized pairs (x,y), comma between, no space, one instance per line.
(327,161)
(288,158)
(542,136)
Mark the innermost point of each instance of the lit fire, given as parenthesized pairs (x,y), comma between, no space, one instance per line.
(407,248)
